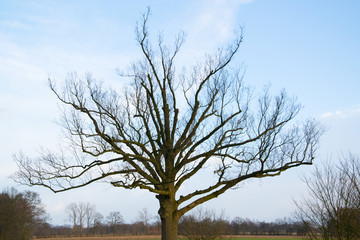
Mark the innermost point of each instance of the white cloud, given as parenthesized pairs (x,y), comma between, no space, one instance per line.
(15,69)
(14,24)
(327,114)
(218,17)
(212,24)
(340,114)
(59,207)
(343,113)
(356,110)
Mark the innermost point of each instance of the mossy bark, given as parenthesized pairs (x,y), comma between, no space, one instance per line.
(169,217)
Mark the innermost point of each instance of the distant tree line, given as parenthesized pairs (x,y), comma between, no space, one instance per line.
(22,216)
(331,212)
(104,229)
(285,226)
(203,224)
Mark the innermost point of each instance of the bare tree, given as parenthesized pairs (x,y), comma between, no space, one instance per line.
(203,224)
(114,219)
(80,214)
(97,223)
(20,213)
(145,217)
(90,215)
(166,127)
(72,212)
(332,210)
(81,207)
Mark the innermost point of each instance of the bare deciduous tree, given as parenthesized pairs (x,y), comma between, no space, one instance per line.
(97,223)
(72,212)
(81,207)
(203,225)
(145,217)
(90,216)
(80,214)
(166,127)
(332,210)
(114,219)
(19,214)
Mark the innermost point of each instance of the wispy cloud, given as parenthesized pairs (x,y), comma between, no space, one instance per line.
(14,24)
(212,24)
(219,16)
(356,110)
(58,207)
(342,113)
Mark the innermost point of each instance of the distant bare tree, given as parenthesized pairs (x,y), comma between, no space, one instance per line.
(145,217)
(80,214)
(114,219)
(72,212)
(81,207)
(166,127)
(203,225)
(97,223)
(19,214)
(332,210)
(90,215)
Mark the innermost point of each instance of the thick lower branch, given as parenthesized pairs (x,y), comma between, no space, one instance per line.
(213,193)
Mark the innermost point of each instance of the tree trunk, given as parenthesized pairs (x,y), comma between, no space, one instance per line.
(169,217)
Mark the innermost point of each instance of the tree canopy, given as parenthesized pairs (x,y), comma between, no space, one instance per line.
(19,214)
(166,126)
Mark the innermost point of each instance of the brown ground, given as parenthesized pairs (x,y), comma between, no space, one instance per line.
(105,238)
(149,237)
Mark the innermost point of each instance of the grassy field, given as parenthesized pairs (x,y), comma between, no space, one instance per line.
(106,238)
(158,238)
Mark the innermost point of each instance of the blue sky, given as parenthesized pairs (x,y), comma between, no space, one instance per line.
(310,48)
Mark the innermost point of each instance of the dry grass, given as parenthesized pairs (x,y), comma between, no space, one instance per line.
(148,237)
(254,237)
(158,237)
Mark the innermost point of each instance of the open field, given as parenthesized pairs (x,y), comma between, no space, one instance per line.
(148,237)
(155,237)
